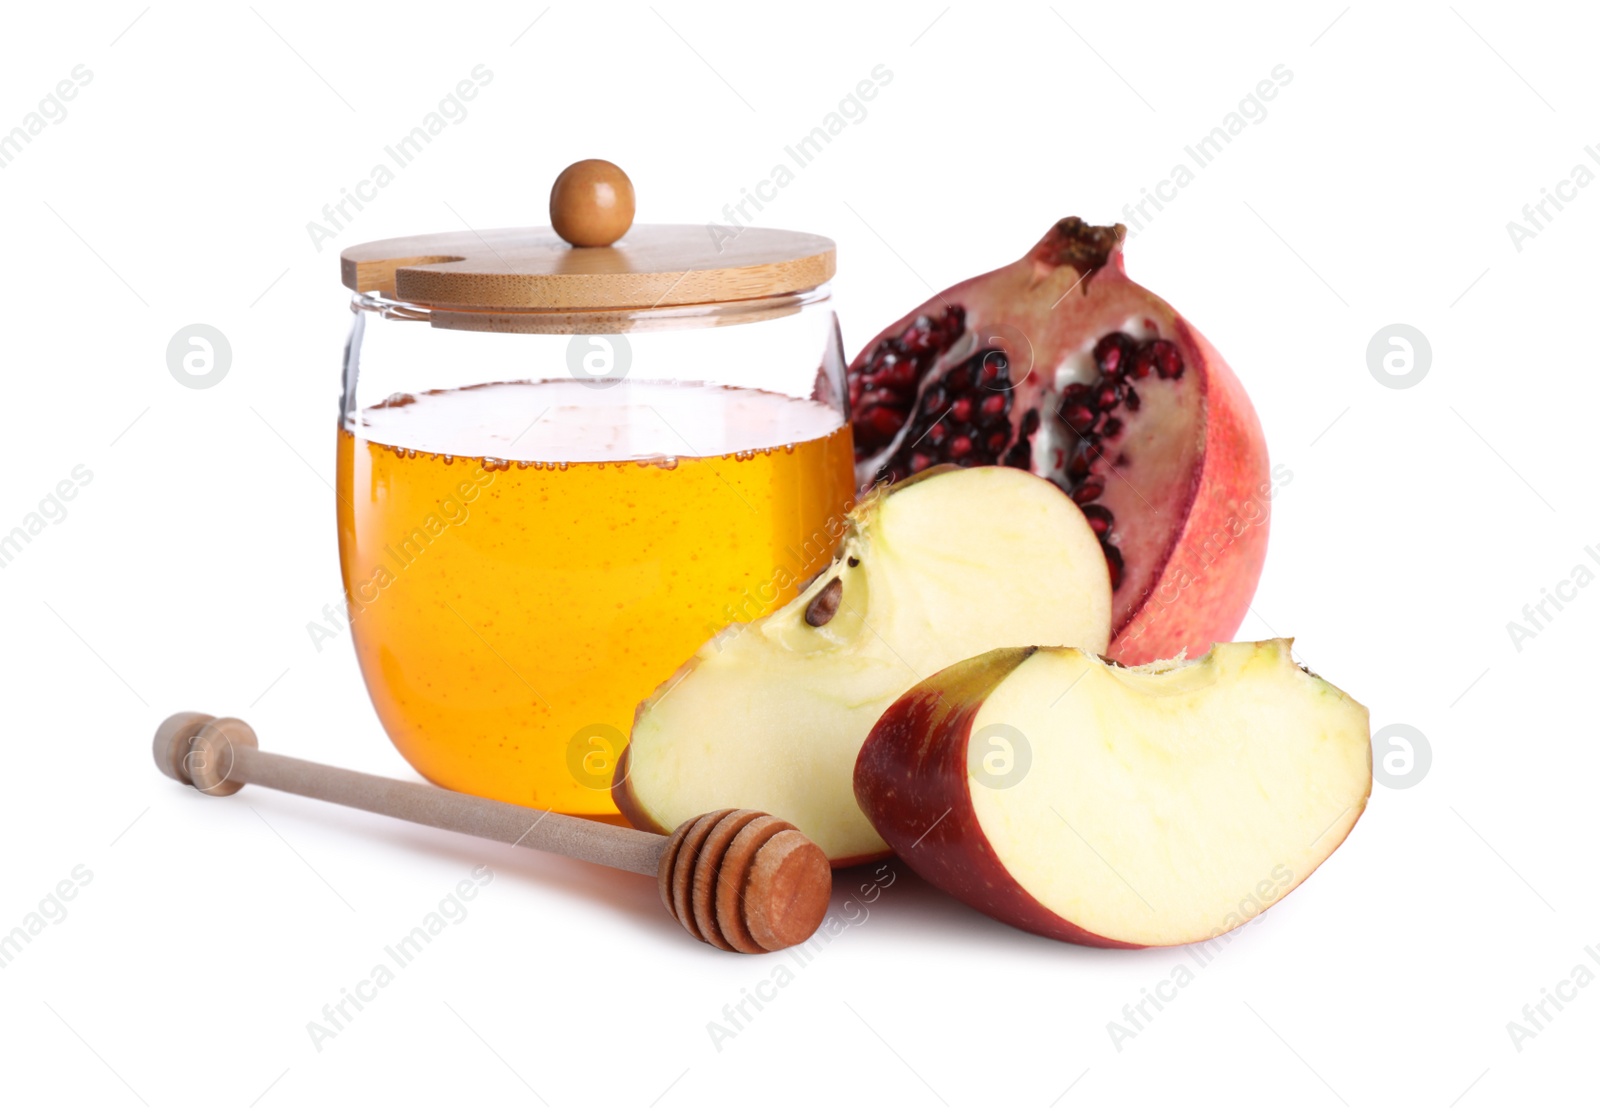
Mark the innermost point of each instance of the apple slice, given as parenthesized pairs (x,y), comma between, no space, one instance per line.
(1121,807)
(770,715)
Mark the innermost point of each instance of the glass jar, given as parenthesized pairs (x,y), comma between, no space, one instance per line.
(557,479)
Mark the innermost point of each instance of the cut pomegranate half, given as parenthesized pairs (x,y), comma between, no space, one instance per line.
(1062,365)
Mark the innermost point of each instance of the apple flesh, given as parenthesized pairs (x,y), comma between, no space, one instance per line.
(1119,807)
(770,715)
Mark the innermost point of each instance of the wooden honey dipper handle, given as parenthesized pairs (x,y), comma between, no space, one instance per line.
(739,880)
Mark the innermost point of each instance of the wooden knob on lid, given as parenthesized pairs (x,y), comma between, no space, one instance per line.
(591,204)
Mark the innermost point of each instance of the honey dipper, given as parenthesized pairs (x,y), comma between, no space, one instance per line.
(739,880)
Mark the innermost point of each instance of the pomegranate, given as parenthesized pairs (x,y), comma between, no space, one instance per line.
(1062,365)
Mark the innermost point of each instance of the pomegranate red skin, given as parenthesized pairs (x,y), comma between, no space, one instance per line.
(1194,587)
(1210,577)
(912,770)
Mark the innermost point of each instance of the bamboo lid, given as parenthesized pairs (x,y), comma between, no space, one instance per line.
(621,267)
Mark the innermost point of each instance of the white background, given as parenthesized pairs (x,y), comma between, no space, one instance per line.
(1418,523)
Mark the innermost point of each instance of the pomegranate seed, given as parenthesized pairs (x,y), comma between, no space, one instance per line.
(953,323)
(1030,423)
(1113,563)
(1099,518)
(1112,427)
(895,372)
(1079,418)
(918,335)
(992,366)
(1088,491)
(889,350)
(960,447)
(937,433)
(961,411)
(1131,398)
(1144,361)
(933,402)
(1110,350)
(997,440)
(1168,360)
(1108,397)
(1075,392)
(996,404)
(880,420)
(921,462)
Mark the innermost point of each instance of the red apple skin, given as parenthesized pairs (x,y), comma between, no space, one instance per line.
(1210,576)
(912,771)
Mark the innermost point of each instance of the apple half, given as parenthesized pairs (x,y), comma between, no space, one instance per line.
(770,714)
(1119,807)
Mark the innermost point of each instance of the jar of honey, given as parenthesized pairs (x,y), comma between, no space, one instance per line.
(563,468)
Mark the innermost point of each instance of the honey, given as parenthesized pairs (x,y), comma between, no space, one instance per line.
(525,562)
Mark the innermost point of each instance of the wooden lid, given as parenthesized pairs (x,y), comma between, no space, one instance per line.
(653,265)
(592,258)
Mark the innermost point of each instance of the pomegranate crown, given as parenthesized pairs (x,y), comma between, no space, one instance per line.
(1084,247)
